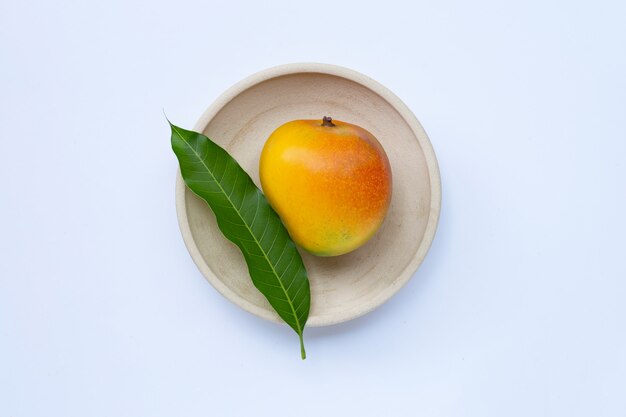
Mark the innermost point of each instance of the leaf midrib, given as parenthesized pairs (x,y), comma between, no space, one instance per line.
(246,225)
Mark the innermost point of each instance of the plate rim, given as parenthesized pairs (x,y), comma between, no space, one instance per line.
(405,113)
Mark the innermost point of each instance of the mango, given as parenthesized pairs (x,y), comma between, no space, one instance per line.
(329,181)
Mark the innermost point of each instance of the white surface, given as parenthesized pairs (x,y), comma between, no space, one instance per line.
(518,310)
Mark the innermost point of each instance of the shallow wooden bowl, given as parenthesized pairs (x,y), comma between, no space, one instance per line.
(346,286)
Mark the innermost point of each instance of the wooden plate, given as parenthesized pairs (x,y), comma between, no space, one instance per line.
(346,286)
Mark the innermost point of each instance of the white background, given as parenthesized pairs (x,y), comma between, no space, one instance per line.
(518,310)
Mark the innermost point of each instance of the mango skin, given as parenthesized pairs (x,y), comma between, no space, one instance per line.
(331,185)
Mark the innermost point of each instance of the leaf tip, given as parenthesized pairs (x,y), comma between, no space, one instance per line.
(165,115)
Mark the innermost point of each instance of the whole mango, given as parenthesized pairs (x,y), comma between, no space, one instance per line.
(329,181)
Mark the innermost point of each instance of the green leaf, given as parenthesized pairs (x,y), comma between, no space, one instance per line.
(246,219)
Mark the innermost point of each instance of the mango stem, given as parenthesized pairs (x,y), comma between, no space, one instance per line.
(328,121)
